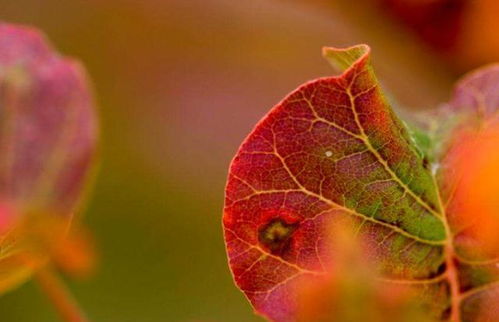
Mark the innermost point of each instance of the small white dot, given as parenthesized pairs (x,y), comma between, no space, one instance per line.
(329,153)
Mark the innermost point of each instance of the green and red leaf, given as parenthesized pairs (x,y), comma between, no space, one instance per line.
(334,151)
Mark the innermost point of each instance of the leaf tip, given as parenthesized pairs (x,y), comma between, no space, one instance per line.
(343,58)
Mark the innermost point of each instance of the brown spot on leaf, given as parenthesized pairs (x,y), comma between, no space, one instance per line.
(276,235)
(426,162)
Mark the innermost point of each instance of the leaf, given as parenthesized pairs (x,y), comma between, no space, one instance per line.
(462,31)
(476,93)
(438,22)
(47,137)
(333,149)
(352,283)
(474,101)
(76,254)
(468,179)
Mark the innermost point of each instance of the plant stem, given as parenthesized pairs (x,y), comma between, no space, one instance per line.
(62,300)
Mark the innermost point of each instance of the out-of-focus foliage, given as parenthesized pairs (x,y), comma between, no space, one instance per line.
(465,31)
(438,22)
(353,290)
(47,138)
(478,43)
(470,163)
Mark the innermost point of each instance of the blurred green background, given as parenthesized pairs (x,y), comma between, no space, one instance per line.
(179,84)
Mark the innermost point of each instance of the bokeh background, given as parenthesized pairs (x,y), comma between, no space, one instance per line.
(179,83)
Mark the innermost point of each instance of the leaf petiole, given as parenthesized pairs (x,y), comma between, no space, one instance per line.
(61,298)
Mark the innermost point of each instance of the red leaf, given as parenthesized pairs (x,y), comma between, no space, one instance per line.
(331,150)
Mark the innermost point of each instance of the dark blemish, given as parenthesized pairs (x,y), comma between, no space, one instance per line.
(426,163)
(441,270)
(276,235)
(433,207)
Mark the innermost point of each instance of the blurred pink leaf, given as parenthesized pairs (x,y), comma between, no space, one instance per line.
(48,135)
